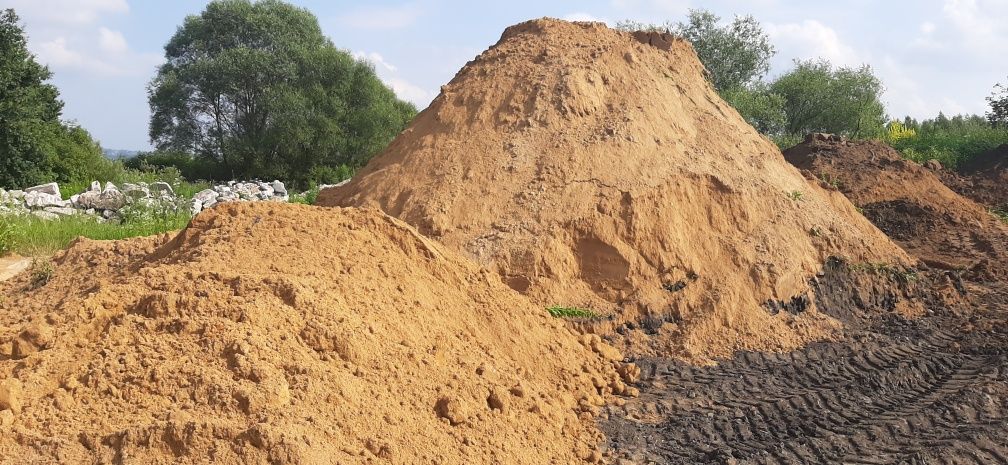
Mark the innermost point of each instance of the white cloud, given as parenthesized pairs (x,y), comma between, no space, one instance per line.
(382,17)
(67,11)
(407,91)
(108,56)
(375,58)
(403,88)
(812,39)
(112,41)
(927,27)
(582,16)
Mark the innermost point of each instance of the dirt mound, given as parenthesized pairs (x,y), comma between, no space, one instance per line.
(983,179)
(597,168)
(290,334)
(909,203)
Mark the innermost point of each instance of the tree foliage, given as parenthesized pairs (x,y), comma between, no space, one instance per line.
(735,54)
(819,98)
(998,100)
(759,106)
(258,88)
(35,146)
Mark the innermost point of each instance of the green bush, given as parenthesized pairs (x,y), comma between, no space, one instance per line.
(951,146)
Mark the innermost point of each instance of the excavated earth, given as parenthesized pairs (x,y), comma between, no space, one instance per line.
(932,389)
(285,334)
(580,166)
(596,168)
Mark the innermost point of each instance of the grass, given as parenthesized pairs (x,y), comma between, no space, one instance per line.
(307,198)
(8,233)
(999,213)
(34,236)
(796,195)
(571,312)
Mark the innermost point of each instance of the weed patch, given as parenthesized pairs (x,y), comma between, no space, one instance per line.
(571,312)
(41,272)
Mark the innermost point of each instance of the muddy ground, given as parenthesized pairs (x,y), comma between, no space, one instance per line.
(921,391)
(928,390)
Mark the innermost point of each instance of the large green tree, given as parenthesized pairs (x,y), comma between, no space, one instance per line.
(998,100)
(258,88)
(35,146)
(820,98)
(735,54)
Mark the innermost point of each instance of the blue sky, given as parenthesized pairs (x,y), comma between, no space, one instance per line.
(931,55)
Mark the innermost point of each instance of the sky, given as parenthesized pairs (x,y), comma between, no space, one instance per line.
(931,55)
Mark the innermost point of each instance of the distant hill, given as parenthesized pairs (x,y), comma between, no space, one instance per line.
(113,154)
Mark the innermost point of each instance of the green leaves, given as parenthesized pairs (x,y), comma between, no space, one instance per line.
(257,88)
(819,98)
(998,101)
(35,146)
(734,54)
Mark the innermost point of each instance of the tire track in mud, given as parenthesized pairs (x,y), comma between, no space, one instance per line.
(919,392)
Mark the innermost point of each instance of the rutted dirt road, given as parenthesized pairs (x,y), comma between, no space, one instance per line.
(932,390)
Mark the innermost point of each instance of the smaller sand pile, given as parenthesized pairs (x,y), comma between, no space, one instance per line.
(290,334)
(908,202)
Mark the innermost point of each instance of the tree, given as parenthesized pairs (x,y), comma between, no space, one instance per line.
(35,146)
(761,108)
(998,100)
(259,89)
(819,98)
(735,54)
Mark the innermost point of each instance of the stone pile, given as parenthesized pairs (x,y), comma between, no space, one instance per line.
(239,191)
(110,201)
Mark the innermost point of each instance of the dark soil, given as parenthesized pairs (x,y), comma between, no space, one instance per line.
(928,390)
(937,216)
(922,391)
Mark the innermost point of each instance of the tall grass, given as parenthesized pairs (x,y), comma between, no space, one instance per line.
(33,236)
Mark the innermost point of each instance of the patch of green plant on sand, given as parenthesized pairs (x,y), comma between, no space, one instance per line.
(41,272)
(571,312)
(999,213)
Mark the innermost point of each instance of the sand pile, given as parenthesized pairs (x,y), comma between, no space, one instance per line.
(288,334)
(597,168)
(909,203)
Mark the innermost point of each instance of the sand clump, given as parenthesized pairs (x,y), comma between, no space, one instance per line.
(598,168)
(291,334)
(909,203)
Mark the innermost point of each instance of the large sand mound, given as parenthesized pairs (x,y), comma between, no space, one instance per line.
(598,168)
(289,334)
(909,203)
